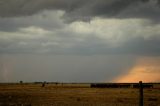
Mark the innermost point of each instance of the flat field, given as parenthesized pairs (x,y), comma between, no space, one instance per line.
(73,95)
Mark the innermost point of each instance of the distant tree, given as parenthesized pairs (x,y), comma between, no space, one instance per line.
(21,82)
(56,83)
(43,84)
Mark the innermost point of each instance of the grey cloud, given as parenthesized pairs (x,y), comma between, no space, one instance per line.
(92,45)
(34,38)
(140,38)
(42,13)
(138,46)
(95,68)
(10,8)
(116,9)
(83,9)
(48,20)
(63,39)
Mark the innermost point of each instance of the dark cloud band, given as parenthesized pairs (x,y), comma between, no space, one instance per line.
(83,9)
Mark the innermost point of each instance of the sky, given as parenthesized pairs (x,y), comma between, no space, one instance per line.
(80,40)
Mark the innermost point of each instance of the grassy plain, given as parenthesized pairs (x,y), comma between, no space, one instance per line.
(73,95)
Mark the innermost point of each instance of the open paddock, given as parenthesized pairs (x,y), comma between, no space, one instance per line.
(72,94)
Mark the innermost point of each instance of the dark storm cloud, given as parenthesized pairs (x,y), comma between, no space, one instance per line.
(76,40)
(137,46)
(83,9)
(47,20)
(92,45)
(10,8)
(142,47)
(15,14)
(127,36)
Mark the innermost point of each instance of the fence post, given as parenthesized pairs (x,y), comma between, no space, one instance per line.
(140,93)
(43,84)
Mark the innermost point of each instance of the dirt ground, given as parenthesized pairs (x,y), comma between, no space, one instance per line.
(73,95)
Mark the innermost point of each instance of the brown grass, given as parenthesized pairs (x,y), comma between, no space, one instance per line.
(73,95)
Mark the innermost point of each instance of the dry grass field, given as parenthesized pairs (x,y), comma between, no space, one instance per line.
(73,95)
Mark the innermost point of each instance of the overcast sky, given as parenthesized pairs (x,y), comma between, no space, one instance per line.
(80,40)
